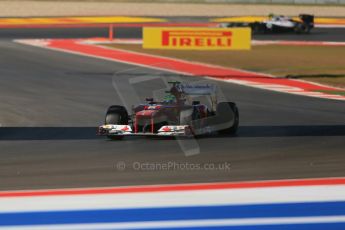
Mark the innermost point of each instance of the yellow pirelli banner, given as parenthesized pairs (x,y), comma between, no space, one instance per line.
(184,38)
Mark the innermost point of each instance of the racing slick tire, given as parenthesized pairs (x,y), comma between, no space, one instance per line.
(223,107)
(301,28)
(116,115)
(258,28)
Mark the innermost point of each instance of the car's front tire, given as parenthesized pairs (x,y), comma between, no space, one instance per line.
(116,115)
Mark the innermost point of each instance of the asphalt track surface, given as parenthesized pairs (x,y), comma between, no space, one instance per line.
(52,102)
(317,34)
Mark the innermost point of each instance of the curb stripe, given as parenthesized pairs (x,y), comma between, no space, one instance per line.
(178,187)
(297,43)
(214,72)
(106,25)
(293,224)
(318,209)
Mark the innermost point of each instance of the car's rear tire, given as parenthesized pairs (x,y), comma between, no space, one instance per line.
(116,115)
(232,129)
(258,28)
(300,28)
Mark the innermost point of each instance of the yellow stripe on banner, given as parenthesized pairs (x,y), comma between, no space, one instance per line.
(240,19)
(38,21)
(118,19)
(317,20)
(338,21)
(76,20)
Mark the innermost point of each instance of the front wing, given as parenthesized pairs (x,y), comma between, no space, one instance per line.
(126,130)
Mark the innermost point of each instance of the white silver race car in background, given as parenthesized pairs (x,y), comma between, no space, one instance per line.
(277,24)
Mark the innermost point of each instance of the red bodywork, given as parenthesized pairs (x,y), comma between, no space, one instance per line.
(144,114)
(158,115)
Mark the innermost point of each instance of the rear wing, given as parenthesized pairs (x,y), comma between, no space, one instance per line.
(192,90)
(307,19)
(197,89)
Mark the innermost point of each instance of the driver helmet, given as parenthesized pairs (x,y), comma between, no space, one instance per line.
(169,98)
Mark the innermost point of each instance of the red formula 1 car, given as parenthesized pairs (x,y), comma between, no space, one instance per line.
(176,115)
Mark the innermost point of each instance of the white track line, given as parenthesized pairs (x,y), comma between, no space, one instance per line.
(188,223)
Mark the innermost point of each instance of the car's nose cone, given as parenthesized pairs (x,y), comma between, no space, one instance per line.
(146,113)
